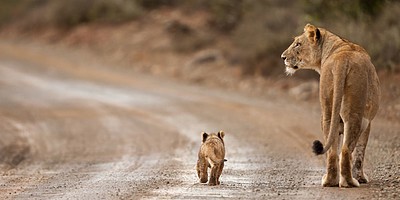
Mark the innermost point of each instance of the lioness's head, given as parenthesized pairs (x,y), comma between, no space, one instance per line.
(205,136)
(304,52)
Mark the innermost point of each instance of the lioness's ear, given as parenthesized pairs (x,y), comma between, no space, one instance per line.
(204,136)
(313,33)
(221,134)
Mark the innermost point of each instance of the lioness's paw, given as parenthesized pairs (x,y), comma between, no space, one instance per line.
(362,178)
(348,183)
(330,182)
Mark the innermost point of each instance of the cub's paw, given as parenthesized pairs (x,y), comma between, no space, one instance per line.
(212,183)
(203,180)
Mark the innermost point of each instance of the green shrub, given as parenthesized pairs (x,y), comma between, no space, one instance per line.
(153,4)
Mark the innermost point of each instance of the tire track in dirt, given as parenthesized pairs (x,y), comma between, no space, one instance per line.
(89,174)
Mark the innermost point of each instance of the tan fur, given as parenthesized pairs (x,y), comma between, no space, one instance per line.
(211,155)
(349,91)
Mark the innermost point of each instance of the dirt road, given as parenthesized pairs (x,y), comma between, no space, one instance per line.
(76,128)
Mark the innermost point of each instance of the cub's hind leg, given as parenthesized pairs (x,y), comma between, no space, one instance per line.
(214,175)
(221,167)
(202,165)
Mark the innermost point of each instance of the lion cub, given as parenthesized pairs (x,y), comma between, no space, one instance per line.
(212,155)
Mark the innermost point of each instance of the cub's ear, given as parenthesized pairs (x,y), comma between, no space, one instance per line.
(221,134)
(204,136)
(313,33)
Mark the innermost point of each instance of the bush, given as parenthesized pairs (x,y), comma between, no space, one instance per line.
(356,9)
(265,31)
(373,24)
(258,30)
(226,14)
(74,12)
(14,9)
(153,4)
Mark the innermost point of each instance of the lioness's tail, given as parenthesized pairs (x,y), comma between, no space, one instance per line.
(333,129)
(318,148)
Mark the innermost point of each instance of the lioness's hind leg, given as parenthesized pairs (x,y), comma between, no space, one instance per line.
(358,167)
(352,130)
(331,178)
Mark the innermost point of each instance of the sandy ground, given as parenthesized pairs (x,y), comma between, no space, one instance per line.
(73,128)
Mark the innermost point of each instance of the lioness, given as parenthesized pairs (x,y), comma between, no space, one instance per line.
(349,92)
(211,155)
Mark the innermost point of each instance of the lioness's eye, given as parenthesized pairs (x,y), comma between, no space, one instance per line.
(297,44)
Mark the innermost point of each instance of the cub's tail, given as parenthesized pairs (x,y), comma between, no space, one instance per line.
(214,161)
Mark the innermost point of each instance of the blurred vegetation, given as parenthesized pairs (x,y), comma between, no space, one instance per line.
(259,29)
(74,12)
(374,24)
(356,9)
(227,14)
(69,13)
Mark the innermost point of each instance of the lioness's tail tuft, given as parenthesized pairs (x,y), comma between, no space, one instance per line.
(317,147)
